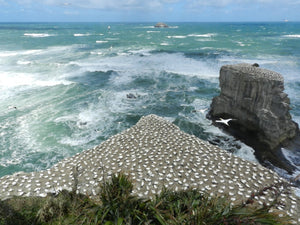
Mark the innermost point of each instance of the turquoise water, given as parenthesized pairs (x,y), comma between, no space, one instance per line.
(69,81)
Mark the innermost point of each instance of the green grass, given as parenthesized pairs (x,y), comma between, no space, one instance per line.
(118,206)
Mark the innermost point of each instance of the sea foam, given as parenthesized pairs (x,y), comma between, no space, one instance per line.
(177,36)
(208,35)
(101,42)
(171,71)
(81,35)
(38,35)
(292,36)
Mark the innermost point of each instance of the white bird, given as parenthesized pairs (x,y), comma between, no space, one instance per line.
(12,107)
(202,110)
(224,121)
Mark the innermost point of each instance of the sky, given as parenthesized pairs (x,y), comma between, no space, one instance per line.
(148,10)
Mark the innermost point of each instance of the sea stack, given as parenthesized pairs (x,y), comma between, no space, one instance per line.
(254,97)
(161,25)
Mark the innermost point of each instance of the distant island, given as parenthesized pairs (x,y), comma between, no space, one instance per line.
(161,25)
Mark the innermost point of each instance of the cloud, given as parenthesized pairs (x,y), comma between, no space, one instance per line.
(134,4)
(224,3)
(152,5)
(295,3)
(95,4)
(101,4)
(187,10)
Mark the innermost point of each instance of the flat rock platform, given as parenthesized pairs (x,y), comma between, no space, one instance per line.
(156,153)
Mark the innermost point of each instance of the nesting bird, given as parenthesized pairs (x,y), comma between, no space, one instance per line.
(155,154)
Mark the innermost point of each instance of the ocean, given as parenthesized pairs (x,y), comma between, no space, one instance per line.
(66,87)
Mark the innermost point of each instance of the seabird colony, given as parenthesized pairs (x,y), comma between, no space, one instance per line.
(155,153)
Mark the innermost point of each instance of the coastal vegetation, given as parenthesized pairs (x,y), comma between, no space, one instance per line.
(117,205)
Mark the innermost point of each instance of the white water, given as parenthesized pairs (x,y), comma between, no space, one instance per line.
(60,113)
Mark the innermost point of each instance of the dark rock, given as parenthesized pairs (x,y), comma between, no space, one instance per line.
(161,25)
(254,97)
(131,96)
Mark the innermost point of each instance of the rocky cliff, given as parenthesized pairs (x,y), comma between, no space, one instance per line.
(156,154)
(255,98)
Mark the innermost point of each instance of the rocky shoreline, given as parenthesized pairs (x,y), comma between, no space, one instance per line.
(155,154)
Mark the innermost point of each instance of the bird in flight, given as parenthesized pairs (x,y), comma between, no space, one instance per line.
(224,121)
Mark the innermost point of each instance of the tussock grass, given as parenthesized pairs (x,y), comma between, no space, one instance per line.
(118,206)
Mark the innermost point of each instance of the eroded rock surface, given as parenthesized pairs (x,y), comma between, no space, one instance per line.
(255,98)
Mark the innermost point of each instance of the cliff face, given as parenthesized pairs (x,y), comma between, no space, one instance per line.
(255,98)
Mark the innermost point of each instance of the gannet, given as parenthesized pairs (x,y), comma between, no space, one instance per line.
(224,121)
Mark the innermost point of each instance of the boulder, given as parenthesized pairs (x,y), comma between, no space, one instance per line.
(131,96)
(254,97)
